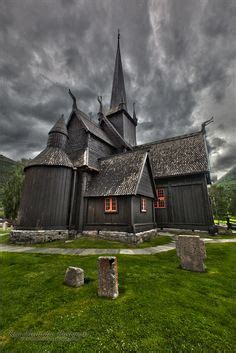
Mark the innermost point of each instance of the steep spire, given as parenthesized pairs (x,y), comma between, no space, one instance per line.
(118,95)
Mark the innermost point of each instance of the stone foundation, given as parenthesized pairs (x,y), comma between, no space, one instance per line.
(43,236)
(124,237)
(37,236)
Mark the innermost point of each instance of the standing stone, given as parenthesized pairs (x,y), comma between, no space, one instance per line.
(4,226)
(108,277)
(74,277)
(191,250)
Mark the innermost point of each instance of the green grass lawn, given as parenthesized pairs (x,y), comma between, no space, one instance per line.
(161,308)
(223,220)
(88,242)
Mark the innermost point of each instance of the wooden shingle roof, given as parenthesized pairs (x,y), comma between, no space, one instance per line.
(118,175)
(179,155)
(93,128)
(51,156)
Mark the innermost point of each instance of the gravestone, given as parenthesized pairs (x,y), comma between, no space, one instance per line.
(4,226)
(108,277)
(74,276)
(191,250)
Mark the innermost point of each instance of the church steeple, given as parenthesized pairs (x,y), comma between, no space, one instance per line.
(118,94)
(118,115)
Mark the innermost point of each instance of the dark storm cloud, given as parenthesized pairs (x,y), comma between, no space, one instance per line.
(226,159)
(177,56)
(216,143)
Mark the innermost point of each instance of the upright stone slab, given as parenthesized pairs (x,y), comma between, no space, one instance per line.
(108,277)
(191,250)
(74,276)
(4,226)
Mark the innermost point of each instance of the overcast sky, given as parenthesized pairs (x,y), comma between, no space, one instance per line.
(179,60)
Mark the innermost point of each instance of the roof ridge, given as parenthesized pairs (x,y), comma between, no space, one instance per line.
(85,119)
(141,171)
(121,154)
(112,127)
(179,137)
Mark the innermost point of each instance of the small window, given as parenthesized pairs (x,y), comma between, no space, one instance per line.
(110,204)
(155,204)
(160,193)
(161,199)
(143,205)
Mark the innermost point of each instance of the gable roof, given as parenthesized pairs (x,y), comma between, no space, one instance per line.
(181,155)
(118,139)
(118,175)
(91,126)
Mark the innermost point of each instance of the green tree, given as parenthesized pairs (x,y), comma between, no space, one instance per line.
(232,206)
(12,192)
(220,200)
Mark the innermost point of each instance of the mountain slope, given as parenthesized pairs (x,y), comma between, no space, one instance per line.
(229,179)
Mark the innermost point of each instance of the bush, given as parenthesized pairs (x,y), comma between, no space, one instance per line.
(12,192)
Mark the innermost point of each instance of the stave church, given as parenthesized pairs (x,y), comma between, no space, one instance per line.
(93,178)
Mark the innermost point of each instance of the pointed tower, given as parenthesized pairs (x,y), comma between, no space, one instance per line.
(45,201)
(118,113)
(118,94)
(58,135)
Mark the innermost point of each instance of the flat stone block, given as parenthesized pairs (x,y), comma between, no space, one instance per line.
(191,250)
(74,276)
(108,277)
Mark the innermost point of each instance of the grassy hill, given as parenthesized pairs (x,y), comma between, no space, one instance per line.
(7,166)
(229,179)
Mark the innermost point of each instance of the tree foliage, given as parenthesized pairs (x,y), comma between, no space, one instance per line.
(12,192)
(233,203)
(223,200)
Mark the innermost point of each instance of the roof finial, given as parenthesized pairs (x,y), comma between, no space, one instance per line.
(74,106)
(118,36)
(205,123)
(134,114)
(99,99)
(100,113)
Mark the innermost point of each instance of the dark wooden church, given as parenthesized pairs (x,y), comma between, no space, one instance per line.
(93,176)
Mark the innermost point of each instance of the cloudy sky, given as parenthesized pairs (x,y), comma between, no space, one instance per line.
(179,58)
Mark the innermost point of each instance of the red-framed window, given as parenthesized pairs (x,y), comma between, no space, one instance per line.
(161,199)
(110,204)
(143,204)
